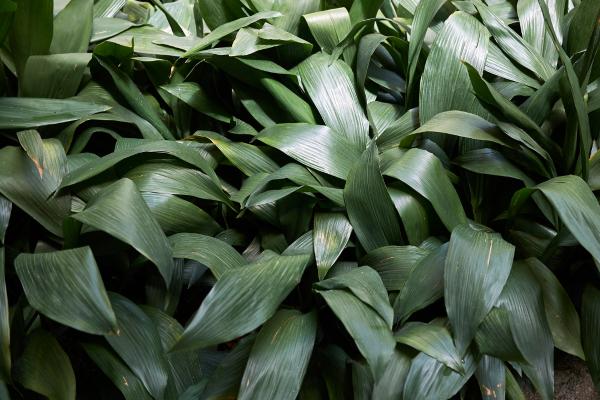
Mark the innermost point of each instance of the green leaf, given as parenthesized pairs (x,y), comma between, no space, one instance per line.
(424,285)
(161,177)
(279,357)
(522,298)
(67,287)
(217,255)
(366,285)
(330,86)
(21,183)
(138,344)
(370,332)
(513,44)
(329,27)
(433,340)
(175,215)
(23,113)
(582,25)
(590,327)
(315,146)
(477,267)
(73,28)
(423,16)
(534,31)
(227,377)
(491,378)
(5,211)
(491,162)
(242,300)
(363,9)
(141,146)
(431,379)
(185,368)
(55,76)
(195,96)
(462,38)
(425,174)
(221,31)
(31,31)
(298,109)
(120,211)
(394,263)
(121,376)
(330,237)
(134,97)
(247,158)
(5,359)
(390,384)
(45,368)
(413,214)
(369,206)
(560,312)
(462,124)
(494,336)
(578,209)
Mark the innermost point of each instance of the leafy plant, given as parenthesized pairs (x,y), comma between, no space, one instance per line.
(297,199)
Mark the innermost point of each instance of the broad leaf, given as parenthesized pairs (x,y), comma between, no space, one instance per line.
(232,309)
(279,357)
(477,267)
(120,211)
(67,287)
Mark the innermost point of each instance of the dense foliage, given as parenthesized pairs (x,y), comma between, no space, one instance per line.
(280,199)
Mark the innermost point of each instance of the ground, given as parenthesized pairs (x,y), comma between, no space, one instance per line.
(572,381)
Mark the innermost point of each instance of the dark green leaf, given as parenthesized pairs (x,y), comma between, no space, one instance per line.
(120,211)
(279,357)
(67,287)
(45,368)
(231,309)
(477,267)
(369,206)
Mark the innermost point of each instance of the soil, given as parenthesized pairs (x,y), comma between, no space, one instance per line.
(572,381)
